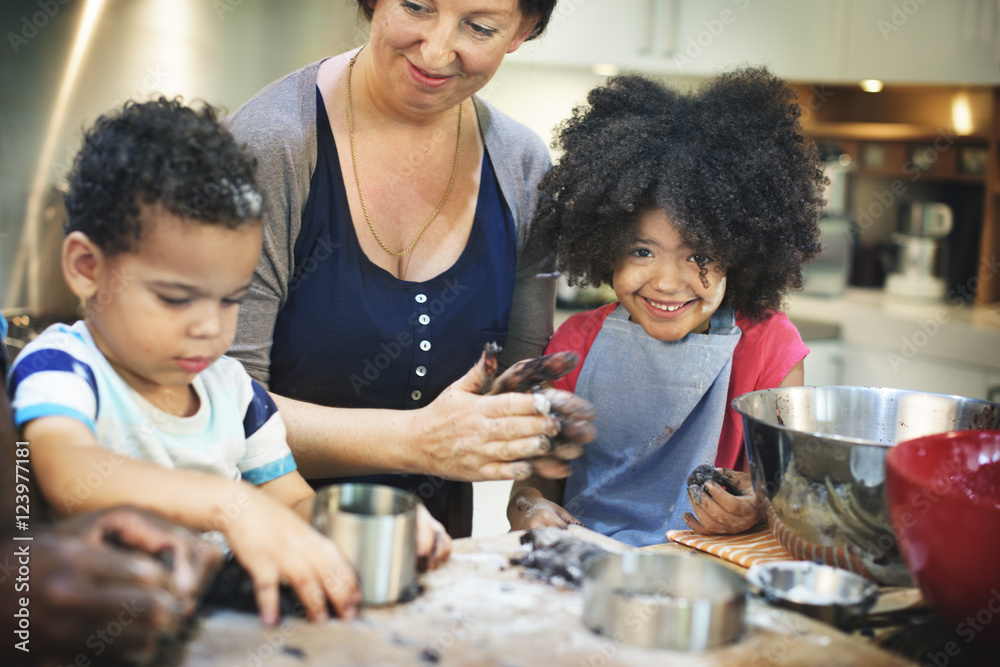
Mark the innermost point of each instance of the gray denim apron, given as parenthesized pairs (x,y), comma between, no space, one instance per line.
(660,407)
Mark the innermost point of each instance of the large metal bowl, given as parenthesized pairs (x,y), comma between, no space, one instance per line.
(817,459)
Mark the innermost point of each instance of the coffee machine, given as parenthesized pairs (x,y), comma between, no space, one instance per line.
(920,240)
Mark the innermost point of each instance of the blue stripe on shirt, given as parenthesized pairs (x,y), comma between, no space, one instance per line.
(273,470)
(261,409)
(25,415)
(51,359)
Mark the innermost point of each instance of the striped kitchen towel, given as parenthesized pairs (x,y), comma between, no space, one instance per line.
(754,546)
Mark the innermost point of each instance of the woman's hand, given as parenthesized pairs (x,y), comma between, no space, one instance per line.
(469,436)
(718,512)
(528,509)
(275,544)
(123,567)
(433,541)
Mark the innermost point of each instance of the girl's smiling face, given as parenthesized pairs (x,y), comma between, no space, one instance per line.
(669,289)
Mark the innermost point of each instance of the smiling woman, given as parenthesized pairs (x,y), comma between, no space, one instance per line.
(396,219)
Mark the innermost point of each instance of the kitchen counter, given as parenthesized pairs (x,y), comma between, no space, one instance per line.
(951,333)
(479,610)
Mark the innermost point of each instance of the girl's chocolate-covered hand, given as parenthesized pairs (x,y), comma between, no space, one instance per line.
(530,509)
(719,512)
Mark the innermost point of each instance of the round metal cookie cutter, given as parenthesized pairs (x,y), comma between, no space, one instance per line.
(659,600)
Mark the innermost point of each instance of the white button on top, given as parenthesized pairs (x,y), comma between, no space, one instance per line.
(420,298)
(416,395)
(424,319)
(425,345)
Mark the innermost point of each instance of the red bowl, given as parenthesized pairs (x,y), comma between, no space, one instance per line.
(944,501)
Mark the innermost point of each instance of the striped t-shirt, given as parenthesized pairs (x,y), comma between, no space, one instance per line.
(236,432)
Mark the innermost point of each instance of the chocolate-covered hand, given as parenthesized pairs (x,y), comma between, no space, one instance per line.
(716,510)
(533,374)
(116,586)
(574,415)
(530,509)
(191,560)
(576,429)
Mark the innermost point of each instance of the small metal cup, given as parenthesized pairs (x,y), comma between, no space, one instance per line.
(376,528)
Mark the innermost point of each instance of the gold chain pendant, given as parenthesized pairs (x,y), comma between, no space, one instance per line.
(354,163)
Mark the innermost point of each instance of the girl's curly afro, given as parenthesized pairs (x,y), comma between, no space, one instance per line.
(164,153)
(728,164)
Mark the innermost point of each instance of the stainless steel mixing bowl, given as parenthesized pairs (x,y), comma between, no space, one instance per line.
(817,459)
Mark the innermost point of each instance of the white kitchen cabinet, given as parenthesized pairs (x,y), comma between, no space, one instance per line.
(953,41)
(699,37)
(796,40)
(585,32)
(885,367)
(932,41)
(824,365)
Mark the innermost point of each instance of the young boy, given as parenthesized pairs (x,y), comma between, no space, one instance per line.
(136,404)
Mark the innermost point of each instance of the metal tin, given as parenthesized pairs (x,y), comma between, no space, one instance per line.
(681,602)
(375,526)
(826,593)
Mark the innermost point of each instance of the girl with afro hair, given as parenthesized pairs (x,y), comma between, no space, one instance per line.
(700,210)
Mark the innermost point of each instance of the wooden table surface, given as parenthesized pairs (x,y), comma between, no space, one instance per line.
(479,610)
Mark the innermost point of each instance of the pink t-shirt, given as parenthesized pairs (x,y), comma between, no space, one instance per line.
(767,351)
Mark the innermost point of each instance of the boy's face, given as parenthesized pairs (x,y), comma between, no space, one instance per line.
(666,287)
(166,310)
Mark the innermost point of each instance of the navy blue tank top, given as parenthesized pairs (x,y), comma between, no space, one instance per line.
(353,335)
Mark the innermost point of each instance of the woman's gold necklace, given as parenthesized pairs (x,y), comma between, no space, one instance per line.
(354,163)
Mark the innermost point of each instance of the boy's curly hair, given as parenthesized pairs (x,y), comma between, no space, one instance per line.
(728,164)
(158,152)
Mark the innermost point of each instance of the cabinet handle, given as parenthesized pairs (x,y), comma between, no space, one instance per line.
(668,26)
(646,28)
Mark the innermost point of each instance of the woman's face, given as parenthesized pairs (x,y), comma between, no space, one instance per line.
(669,289)
(436,53)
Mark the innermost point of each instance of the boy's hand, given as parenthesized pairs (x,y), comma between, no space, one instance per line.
(275,544)
(718,512)
(433,541)
(531,510)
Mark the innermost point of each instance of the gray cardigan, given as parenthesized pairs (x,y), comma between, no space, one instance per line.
(278,125)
